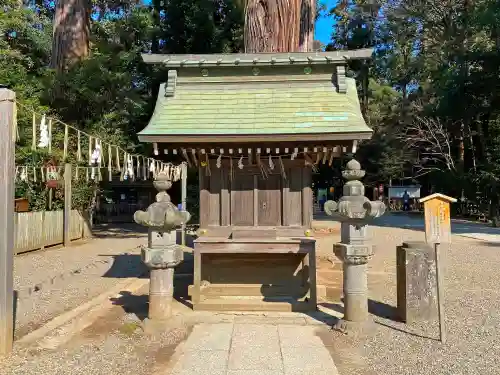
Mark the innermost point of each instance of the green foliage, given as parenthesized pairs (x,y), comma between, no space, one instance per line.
(434,100)
(201,26)
(112,93)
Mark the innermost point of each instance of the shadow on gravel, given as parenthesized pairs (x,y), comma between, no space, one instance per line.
(488,243)
(130,265)
(406,331)
(379,309)
(139,304)
(15,298)
(126,266)
(132,304)
(119,231)
(322,317)
(383,310)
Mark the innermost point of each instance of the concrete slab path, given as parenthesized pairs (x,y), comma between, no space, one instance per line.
(254,349)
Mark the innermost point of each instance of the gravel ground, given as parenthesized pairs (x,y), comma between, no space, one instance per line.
(61,279)
(112,345)
(472,308)
(40,267)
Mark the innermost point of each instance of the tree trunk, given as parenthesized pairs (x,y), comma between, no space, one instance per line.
(307,19)
(279,25)
(71,33)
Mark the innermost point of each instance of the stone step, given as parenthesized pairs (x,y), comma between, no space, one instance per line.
(246,290)
(255,290)
(221,304)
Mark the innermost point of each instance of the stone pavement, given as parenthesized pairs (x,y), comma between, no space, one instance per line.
(253,349)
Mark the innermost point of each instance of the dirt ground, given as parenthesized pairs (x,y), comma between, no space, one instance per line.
(114,344)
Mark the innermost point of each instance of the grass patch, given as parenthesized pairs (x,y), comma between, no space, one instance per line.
(129,328)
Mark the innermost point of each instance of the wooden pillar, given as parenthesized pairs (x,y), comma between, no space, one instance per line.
(7,168)
(313,296)
(307,201)
(204,199)
(255,200)
(183,199)
(67,204)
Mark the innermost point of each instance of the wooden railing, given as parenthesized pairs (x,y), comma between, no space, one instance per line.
(36,230)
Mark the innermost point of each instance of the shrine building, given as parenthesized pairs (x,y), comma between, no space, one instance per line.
(256,126)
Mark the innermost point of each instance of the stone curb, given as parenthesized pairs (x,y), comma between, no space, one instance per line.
(63,327)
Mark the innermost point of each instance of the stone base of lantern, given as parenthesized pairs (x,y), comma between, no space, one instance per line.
(161,261)
(154,327)
(355,329)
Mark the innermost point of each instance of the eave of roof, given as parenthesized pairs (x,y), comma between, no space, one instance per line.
(258,59)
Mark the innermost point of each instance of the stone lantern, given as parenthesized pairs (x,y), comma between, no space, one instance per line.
(162,253)
(354,211)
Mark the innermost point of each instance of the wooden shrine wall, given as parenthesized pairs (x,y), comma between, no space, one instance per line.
(247,199)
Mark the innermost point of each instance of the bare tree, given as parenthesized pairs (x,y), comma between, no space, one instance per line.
(71,33)
(429,139)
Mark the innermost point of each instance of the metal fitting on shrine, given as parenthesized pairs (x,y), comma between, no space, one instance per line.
(354,211)
(162,254)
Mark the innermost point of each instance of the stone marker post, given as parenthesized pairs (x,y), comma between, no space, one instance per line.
(162,253)
(416,282)
(354,211)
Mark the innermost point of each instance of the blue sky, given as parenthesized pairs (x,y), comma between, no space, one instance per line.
(323,30)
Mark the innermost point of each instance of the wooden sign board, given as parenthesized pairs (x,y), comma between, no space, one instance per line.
(437,218)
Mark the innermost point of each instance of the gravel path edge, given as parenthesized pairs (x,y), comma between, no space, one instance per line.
(72,322)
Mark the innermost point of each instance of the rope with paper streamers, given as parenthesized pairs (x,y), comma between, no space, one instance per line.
(102,156)
(32,173)
(269,159)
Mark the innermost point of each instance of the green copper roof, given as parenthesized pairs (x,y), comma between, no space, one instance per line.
(273,104)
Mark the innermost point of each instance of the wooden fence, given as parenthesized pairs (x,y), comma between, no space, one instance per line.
(35,230)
